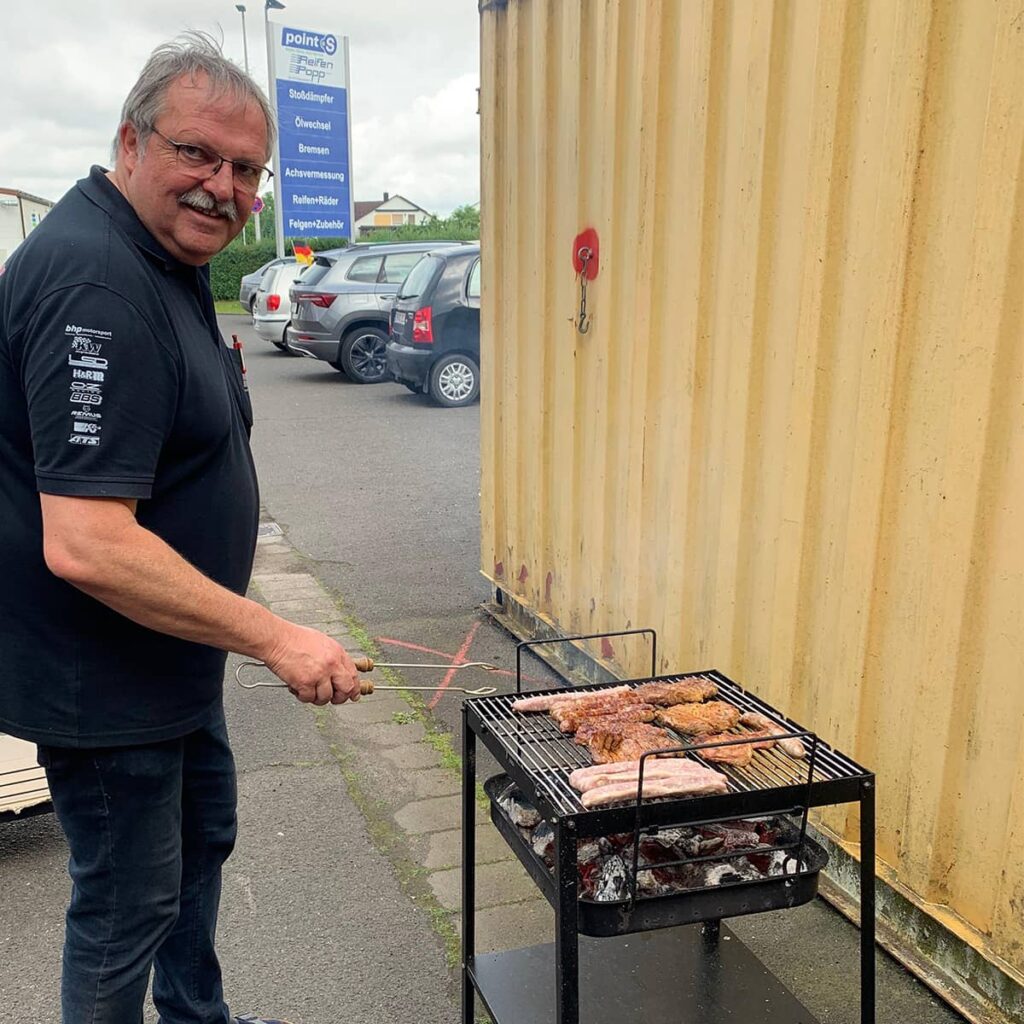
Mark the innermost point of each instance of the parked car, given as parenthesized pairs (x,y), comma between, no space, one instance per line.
(435,327)
(249,283)
(340,306)
(271,311)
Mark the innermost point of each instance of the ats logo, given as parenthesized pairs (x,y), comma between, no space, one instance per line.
(300,40)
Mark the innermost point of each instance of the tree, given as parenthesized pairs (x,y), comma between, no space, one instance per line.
(466,217)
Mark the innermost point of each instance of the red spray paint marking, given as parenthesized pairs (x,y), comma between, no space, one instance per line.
(449,657)
(460,659)
(499,570)
(523,573)
(607,651)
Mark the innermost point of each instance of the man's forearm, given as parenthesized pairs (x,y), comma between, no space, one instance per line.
(131,570)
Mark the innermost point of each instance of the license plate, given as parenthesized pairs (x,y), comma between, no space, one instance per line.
(399,319)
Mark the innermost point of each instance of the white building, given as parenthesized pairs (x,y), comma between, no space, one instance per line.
(19,214)
(387,213)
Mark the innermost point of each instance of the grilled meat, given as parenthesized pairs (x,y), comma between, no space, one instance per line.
(690,690)
(740,754)
(791,745)
(627,741)
(693,719)
(679,785)
(585,779)
(569,713)
(543,701)
(588,724)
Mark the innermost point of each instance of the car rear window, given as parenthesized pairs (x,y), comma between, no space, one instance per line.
(473,286)
(314,273)
(366,268)
(420,277)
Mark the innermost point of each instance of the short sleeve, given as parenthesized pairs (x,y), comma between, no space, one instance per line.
(101,389)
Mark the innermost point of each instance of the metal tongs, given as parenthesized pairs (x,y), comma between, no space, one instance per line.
(366,686)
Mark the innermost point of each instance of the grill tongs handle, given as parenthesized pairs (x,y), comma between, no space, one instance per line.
(367,686)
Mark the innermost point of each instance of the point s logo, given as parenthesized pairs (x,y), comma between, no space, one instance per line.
(299,39)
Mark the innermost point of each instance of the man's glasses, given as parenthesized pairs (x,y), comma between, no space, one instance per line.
(205,164)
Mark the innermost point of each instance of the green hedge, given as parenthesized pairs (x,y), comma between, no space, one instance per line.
(439,231)
(228,268)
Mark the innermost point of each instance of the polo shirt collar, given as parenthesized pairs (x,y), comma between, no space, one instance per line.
(99,189)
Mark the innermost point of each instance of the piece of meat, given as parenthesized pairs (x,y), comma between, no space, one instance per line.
(568,714)
(543,701)
(627,742)
(692,719)
(578,779)
(739,754)
(632,713)
(791,745)
(654,768)
(682,785)
(689,690)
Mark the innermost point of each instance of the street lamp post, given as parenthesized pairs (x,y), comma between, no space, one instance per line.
(245,50)
(268,6)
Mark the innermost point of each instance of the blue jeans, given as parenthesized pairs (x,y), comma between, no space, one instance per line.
(149,828)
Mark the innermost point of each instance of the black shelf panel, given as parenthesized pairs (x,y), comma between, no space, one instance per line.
(661,977)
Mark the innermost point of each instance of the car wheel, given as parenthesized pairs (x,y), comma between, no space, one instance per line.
(455,380)
(364,355)
(252,307)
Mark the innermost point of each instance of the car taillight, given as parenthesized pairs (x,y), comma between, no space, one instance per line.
(322,299)
(273,303)
(423,325)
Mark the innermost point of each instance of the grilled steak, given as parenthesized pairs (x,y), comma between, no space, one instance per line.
(588,724)
(792,745)
(569,713)
(544,701)
(740,754)
(627,742)
(693,719)
(691,690)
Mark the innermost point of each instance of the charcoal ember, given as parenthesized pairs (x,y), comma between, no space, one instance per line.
(520,812)
(542,839)
(737,869)
(612,881)
(734,835)
(588,850)
(780,862)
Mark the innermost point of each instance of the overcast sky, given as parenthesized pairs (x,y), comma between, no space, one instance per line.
(67,65)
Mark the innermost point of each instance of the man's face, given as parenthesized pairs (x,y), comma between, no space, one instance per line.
(155,181)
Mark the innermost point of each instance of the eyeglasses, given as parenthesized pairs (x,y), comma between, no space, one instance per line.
(205,164)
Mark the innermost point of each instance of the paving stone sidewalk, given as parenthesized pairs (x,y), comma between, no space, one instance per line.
(406,779)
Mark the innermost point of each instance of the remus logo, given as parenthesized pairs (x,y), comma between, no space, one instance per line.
(299,39)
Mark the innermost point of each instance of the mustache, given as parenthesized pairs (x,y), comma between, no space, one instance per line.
(199,199)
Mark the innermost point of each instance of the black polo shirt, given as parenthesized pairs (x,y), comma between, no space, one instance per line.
(114,381)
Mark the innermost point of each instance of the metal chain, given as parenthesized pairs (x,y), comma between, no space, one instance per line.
(585,255)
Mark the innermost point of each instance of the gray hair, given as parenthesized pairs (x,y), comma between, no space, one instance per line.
(190,54)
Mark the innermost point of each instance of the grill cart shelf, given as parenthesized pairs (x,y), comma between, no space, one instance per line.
(649,961)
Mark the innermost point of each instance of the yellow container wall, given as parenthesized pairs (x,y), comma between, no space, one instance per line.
(792,439)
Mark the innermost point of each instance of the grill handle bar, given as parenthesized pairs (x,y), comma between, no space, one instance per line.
(585,636)
(690,747)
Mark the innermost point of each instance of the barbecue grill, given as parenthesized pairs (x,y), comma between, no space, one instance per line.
(646,964)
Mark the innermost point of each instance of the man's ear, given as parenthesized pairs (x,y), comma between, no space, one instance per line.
(128,145)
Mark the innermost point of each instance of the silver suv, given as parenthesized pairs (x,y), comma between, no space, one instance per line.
(341,305)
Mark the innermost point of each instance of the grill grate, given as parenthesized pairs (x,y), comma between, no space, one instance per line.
(534,742)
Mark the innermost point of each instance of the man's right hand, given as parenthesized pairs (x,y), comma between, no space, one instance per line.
(316,668)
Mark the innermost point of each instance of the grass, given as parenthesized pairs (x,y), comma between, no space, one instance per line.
(229,306)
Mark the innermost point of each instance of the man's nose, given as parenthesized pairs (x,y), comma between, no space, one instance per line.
(222,184)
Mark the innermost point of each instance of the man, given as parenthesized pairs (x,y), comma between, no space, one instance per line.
(129,502)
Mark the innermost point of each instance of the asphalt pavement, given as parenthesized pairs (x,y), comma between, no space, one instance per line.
(342,903)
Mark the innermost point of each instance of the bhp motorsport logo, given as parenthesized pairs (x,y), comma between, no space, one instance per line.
(299,40)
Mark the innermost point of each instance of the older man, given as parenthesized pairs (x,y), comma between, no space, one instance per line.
(129,503)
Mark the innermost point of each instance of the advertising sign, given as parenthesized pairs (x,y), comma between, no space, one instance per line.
(311,94)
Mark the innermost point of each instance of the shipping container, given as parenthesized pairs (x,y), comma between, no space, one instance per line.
(791,436)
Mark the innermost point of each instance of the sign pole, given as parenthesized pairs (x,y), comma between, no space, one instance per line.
(272,95)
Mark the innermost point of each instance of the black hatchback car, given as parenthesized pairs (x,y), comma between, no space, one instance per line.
(434,343)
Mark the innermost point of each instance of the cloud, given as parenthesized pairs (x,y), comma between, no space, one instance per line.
(65,70)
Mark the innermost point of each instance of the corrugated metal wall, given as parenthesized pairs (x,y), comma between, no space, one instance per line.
(792,439)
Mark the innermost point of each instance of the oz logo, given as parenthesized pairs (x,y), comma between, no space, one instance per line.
(329,44)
